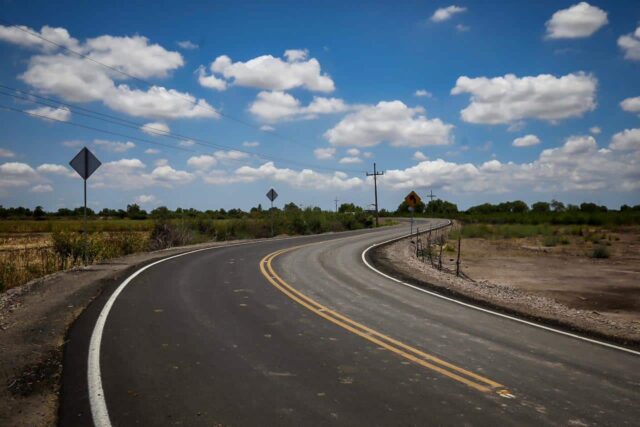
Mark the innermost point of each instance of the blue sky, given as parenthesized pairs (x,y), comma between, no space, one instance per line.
(560,76)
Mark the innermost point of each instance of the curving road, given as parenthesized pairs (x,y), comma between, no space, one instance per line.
(301,332)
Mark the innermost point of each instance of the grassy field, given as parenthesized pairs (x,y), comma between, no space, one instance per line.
(32,248)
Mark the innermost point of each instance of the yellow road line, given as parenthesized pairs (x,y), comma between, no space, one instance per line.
(419,357)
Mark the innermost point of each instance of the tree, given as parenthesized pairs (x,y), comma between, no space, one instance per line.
(348,208)
(557,206)
(134,212)
(541,207)
(441,207)
(38,212)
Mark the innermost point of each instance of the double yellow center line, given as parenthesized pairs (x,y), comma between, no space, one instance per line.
(419,357)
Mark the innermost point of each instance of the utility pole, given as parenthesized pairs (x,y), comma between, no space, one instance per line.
(336,200)
(375,176)
(431,196)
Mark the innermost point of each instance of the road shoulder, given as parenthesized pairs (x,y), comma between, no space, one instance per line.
(398,260)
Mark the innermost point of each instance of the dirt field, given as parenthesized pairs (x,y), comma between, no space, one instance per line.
(561,283)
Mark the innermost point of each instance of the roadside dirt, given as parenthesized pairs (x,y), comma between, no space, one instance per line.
(34,319)
(559,285)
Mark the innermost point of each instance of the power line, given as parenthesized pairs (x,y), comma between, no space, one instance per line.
(149,84)
(49,102)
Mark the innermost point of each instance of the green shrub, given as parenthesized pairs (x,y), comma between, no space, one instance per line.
(600,252)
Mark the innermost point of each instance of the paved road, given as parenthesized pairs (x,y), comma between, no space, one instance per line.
(311,336)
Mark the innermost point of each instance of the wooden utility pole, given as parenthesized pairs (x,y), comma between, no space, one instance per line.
(336,200)
(431,196)
(375,176)
(458,260)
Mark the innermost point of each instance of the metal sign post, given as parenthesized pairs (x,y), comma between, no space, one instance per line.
(412,200)
(272,195)
(85,163)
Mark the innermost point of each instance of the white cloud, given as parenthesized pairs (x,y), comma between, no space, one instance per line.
(114,146)
(72,143)
(423,93)
(324,153)
(595,130)
(77,79)
(133,174)
(6,153)
(16,174)
(155,128)
(161,162)
(250,144)
(580,20)
(392,122)
(210,81)
(204,161)
(420,156)
(41,188)
(631,105)
(186,143)
(151,151)
(353,152)
(305,178)
(630,44)
(445,13)
(146,199)
(54,169)
(348,160)
(22,37)
(526,141)
(578,165)
(159,103)
(627,140)
(510,99)
(275,106)
(462,28)
(187,44)
(231,155)
(270,73)
(48,113)
(267,128)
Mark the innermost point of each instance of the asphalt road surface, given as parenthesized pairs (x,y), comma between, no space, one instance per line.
(302,332)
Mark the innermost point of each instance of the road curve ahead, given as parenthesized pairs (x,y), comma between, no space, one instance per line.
(301,332)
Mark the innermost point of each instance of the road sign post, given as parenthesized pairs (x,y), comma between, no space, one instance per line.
(271,195)
(412,200)
(85,163)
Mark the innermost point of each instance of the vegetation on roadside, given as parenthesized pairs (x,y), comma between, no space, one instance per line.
(113,236)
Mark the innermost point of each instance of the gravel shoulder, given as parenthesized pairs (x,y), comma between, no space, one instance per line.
(34,320)
(398,259)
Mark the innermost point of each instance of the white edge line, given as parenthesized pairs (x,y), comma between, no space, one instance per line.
(97,402)
(475,307)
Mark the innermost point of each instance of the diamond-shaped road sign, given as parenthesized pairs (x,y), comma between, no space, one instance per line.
(85,163)
(412,199)
(272,195)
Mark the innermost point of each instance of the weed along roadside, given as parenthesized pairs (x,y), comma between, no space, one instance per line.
(34,248)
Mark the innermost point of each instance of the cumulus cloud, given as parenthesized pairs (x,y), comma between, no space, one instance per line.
(445,13)
(114,146)
(276,106)
(204,161)
(155,128)
(630,44)
(133,174)
(41,188)
(55,169)
(420,156)
(595,130)
(151,151)
(77,79)
(250,144)
(16,174)
(510,99)
(579,20)
(146,199)
(627,140)
(49,113)
(526,141)
(270,73)
(631,105)
(577,165)
(267,128)
(187,45)
(423,93)
(324,153)
(349,160)
(210,81)
(391,122)
(6,153)
(24,36)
